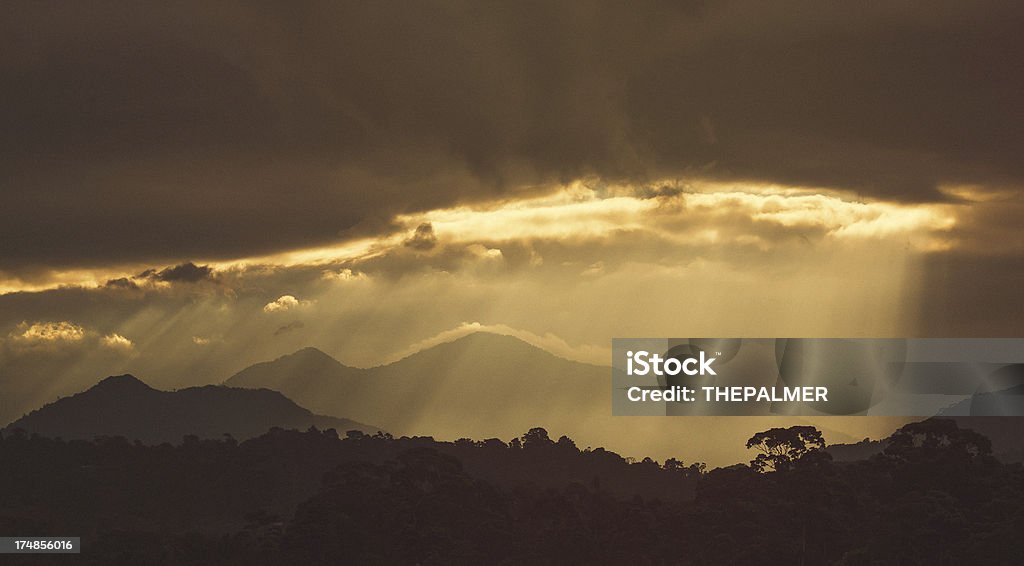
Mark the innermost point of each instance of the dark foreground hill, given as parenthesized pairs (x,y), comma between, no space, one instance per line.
(487,384)
(189,503)
(288,497)
(125,406)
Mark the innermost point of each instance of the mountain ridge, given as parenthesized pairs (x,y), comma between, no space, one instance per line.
(490,384)
(307,352)
(126,406)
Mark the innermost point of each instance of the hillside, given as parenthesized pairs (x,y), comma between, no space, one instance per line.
(481,384)
(125,406)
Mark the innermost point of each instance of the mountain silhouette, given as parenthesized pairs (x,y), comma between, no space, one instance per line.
(481,384)
(299,375)
(125,406)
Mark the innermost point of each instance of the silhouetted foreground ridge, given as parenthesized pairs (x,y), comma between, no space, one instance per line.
(934,496)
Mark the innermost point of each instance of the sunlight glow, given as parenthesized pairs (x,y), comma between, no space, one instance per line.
(701,213)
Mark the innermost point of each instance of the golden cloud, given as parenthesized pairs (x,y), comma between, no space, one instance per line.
(284,303)
(624,219)
(49,332)
(115,341)
(705,213)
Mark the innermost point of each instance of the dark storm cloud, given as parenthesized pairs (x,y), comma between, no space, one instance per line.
(122,283)
(423,238)
(175,131)
(972,296)
(290,327)
(185,273)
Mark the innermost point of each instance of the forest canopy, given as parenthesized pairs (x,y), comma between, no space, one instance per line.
(934,495)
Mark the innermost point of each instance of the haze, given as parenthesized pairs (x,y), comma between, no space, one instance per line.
(189,189)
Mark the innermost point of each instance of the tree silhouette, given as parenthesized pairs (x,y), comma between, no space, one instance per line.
(924,439)
(780,447)
(536,438)
(312,497)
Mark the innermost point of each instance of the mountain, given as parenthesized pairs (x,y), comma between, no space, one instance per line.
(125,406)
(479,385)
(298,375)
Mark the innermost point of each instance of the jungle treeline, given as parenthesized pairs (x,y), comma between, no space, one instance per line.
(935,495)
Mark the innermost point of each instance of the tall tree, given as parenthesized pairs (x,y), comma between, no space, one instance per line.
(779,448)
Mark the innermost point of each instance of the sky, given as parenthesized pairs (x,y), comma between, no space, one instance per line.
(189,188)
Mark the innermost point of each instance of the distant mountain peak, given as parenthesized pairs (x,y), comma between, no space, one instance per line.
(488,336)
(490,383)
(310,351)
(481,338)
(123,405)
(121,382)
(490,342)
(309,355)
